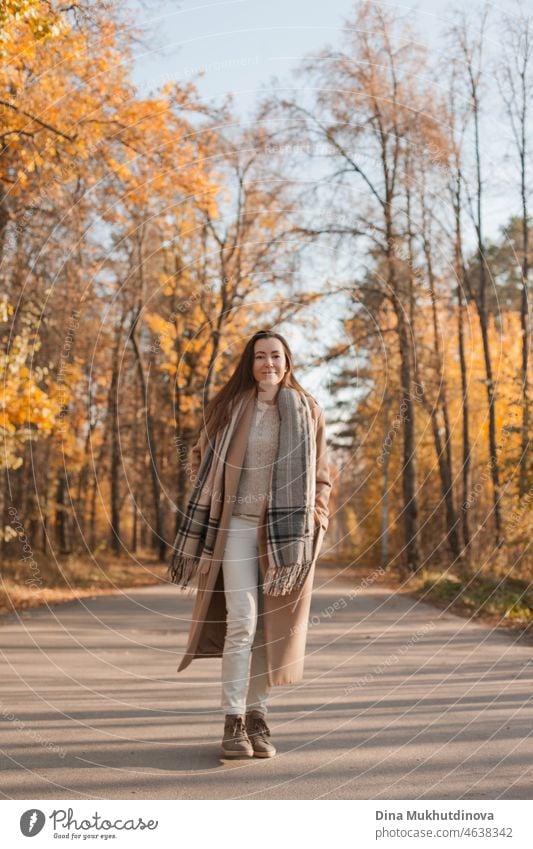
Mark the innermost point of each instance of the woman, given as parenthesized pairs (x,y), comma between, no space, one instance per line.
(251,534)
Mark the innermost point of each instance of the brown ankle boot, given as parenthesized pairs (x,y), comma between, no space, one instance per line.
(259,732)
(235,743)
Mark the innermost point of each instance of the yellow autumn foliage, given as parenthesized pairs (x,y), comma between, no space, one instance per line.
(26,406)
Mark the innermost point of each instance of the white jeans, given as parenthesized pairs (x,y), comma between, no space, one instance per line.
(243,688)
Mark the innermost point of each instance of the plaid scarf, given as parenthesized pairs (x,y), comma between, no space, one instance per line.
(289,516)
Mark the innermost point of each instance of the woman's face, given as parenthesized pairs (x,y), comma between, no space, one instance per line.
(270,361)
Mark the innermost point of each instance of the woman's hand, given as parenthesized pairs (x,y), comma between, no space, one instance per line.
(323,479)
(318,518)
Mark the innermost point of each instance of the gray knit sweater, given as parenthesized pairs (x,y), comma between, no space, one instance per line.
(261,451)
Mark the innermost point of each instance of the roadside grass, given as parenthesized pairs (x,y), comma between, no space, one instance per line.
(501,601)
(507,599)
(73,576)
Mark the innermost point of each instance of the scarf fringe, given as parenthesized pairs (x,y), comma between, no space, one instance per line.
(182,570)
(282,580)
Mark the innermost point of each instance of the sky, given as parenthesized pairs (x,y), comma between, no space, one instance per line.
(239,46)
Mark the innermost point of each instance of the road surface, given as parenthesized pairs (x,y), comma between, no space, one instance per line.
(400,701)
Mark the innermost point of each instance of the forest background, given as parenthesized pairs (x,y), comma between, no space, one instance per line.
(373,207)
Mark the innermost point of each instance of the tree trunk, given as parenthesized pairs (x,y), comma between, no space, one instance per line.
(412,547)
(385,504)
(465,469)
(114,466)
(480,300)
(526,334)
(159,540)
(61,516)
(444,453)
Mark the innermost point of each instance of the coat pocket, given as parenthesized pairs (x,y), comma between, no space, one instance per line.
(317,541)
(318,536)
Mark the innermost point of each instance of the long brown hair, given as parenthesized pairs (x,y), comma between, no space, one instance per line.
(218,410)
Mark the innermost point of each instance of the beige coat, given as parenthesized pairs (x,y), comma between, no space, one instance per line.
(285,617)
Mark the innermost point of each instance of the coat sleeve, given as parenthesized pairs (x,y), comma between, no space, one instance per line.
(323,479)
(197,452)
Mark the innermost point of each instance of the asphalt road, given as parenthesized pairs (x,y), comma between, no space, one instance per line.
(400,701)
